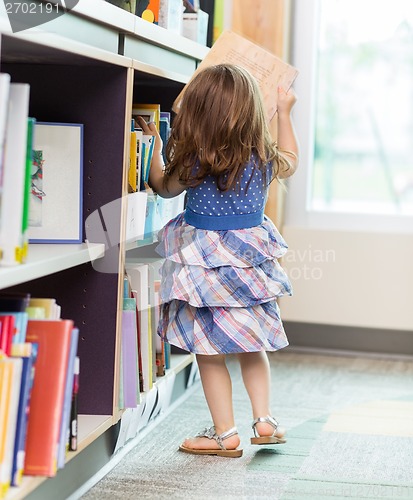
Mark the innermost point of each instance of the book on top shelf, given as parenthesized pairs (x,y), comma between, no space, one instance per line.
(269,70)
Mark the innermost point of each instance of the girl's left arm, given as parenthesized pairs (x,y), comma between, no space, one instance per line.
(167,187)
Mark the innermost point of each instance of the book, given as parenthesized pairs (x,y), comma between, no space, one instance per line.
(149,112)
(164,130)
(132,187)
(11,404)
(135,220)
(53,338)
(27,187)
(195,26)
(139,138)
(51,308)
(170,15)
(67,400)
(4,107)
(148,144)
(6,333)
(14,301)
(129,354)
(138,275)
(73,428)
(128,5)
(269,70)
(28,354)
(20,326)
(149,10)
(11,239)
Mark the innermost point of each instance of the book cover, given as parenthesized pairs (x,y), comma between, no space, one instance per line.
(139,138)
(170,15)
(11,214)
(269,70)
(20,326)
(11,401)
(53,338)
(67,400)
(28,353)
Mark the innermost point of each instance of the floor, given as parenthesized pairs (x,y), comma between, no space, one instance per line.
(350,435)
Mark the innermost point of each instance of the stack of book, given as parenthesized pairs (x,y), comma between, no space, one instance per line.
(144,357)
(38,362)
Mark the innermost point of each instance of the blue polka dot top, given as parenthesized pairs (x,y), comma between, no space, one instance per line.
(238,208)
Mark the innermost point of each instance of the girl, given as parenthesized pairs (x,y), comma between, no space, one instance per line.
(220,277)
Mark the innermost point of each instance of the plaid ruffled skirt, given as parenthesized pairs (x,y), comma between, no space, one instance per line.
(219,288)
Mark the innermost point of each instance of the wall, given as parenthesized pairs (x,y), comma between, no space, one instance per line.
(349,278)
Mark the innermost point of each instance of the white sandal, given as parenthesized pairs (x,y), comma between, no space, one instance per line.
(221,451)
(273,439)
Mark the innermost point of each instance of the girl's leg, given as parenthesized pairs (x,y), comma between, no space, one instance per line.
(216,382)
(255,369)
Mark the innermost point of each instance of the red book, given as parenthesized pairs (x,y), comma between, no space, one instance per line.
(6,333)
(46,404)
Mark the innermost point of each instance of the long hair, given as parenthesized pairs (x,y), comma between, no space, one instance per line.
(220,125)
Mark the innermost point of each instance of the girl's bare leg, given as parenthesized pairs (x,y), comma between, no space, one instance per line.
(216,382)
(255,369)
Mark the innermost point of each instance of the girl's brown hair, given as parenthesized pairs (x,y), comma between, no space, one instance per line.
(220,124)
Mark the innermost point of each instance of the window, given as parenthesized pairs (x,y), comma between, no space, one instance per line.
(355,112)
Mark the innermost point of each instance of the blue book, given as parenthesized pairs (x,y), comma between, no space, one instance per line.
(67,401)
(28,370)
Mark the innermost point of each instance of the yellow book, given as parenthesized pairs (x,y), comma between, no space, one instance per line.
(133,162)
(149,112)
(10,379)
(52,310)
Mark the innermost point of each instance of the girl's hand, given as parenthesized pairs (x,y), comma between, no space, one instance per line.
(150,129)
(285,101)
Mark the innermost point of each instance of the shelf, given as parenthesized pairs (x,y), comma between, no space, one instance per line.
(90,428)
(48,259)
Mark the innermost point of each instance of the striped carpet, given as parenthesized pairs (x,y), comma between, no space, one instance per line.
(350,435)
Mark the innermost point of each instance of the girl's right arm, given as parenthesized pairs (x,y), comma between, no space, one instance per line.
(172,187)
(282,130)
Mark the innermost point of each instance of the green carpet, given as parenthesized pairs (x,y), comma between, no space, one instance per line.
(326,404)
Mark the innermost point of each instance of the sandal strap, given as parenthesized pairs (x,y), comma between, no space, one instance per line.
(267,420)
(219,438)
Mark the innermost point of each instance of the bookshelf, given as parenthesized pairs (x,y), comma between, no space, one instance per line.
(89,66)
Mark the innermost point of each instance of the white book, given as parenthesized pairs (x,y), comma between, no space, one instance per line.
(11,237)
(4,107)
(170,15)
(138,276)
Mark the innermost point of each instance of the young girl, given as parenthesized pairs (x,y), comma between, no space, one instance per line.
(220,277)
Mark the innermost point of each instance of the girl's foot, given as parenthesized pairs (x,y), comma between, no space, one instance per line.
(267,431)
(208,442)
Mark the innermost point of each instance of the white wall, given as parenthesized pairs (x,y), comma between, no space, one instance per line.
(349,278)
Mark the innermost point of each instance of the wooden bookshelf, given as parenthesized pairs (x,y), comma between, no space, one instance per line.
(89,66)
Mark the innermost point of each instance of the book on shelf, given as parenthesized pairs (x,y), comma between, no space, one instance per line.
(269,70)
(46,407)
(14,168)
(14,301)
(49,305)
(138,276)
(10,377)
(4,108)
(128,5)
(73,427)
(170,15)
(67,400)
(6,333)
(129,353)
(148,10)
(28,354)
(149,112)
(195,26)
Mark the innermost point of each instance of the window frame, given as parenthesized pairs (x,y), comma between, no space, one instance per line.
(298,200)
